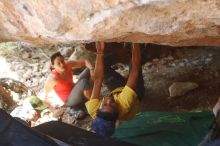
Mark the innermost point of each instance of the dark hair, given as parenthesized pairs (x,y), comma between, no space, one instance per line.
(54,56)
(108,116)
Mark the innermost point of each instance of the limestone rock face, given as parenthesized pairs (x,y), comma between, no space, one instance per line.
(171,22)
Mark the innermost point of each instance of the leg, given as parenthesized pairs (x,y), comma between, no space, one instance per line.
(76,96)
(87,75)
(84,74)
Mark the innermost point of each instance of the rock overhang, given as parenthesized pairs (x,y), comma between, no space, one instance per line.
(167,22)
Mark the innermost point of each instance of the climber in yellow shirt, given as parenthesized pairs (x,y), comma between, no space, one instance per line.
(123,103)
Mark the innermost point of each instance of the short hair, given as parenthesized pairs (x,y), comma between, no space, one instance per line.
(108,116)
(54,56)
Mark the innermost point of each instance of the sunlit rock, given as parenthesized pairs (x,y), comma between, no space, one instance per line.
(172,22)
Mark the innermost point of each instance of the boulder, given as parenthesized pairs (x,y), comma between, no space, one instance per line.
(66,51)
(81,53)
(170,22)
(181,88)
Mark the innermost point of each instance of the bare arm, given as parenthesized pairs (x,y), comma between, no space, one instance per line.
(79,64)
(99,71)
(135,66)
(49,85)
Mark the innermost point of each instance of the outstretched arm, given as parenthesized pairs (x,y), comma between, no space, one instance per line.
(99,70)
(79,64)
(135,66)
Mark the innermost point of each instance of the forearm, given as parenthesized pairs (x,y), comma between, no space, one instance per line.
(99,71)
(98,75)
(80,63)
(46,98)
(76,64)
(49,85)
(135,67)
(99,67)
(136,58)
(89,65)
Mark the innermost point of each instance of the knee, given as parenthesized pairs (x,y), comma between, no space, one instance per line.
(85,84)
(82,81)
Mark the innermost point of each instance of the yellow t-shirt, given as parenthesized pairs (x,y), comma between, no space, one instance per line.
(127,101)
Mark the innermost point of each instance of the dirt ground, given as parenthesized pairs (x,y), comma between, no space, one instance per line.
(163,66)
(200,65)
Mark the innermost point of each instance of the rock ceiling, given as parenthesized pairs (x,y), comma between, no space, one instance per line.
(168,22)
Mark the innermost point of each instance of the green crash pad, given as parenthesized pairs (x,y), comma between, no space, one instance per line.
(166,128)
